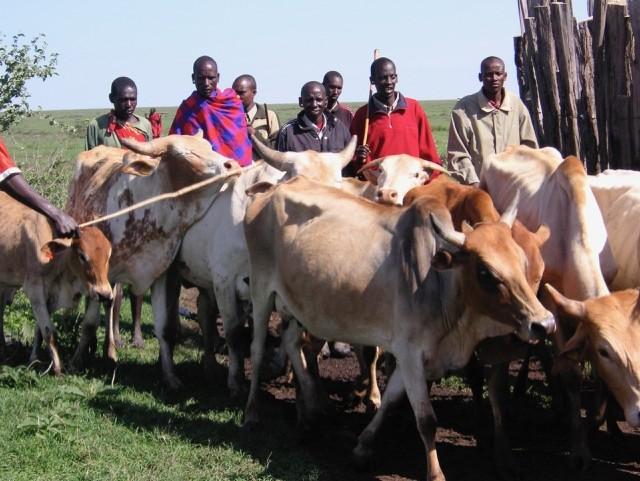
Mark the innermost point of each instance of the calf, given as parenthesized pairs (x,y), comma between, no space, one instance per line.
(54,273)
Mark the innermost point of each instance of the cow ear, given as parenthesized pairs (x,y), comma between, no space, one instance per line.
(53,248)
(371,175)
(542,235)
(443,260)
(139,165)
(576,346)
(258,188)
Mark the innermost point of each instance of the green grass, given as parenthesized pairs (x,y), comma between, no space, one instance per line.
(81,428)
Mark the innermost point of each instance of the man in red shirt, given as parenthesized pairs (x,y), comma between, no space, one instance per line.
(14,184)
(397,124)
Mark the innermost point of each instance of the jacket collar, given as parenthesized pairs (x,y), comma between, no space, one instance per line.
(485,106)
(377,107)
(303,122)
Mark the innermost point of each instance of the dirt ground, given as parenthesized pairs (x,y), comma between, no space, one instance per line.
(538,435)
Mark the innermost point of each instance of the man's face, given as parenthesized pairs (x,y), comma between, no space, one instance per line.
(246,92)
(385,80)
(124,102)
(206,79)
(492,77)
(313,101)
(333,86)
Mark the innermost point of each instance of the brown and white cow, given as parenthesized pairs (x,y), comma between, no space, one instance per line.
(54,273)
(349,269)
(145,241)
(556,193)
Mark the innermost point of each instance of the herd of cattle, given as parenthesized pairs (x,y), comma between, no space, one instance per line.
(432,274)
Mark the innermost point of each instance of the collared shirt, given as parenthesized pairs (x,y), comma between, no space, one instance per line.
(342,113)
(311,125)
(251,113)
(478,129)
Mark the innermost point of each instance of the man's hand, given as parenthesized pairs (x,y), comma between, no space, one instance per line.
(362,152)
(251,130)
(65,225)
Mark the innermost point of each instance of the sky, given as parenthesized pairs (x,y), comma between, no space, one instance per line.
(436,45)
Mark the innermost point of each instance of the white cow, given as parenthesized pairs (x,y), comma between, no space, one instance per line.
(618,195)
(214,253)
(556,193)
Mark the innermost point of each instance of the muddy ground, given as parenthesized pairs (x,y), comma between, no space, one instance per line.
(538,434)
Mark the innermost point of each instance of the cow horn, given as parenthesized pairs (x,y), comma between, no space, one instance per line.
(447,232)
(272,157)
(154,148)
(427,164)
(370,165)
(510,213)
(346,155)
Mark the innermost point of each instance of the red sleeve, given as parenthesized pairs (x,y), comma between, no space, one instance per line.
(7,167)
(428,149)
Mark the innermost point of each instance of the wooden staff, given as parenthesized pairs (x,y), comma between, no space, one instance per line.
(376,56)
(169,195)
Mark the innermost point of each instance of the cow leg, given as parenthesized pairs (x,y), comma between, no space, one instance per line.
(165,292)
(3,345)
(498,391)
(306,375)
(36,294)
(117,306)
(207,317)
(414,378)
(367,360)
(234,331)
(87,333)
(474,374)
(570,377)
(110,351)
(393,394)
(136,316)
(262,308)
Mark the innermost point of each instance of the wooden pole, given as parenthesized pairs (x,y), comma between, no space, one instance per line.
(365,135)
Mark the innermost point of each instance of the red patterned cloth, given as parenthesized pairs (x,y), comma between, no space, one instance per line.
(124,131)
(221,119)
(7,167)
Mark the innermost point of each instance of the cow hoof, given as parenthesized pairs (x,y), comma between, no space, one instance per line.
(362,458)
(118,342)
(580,459)
(172,384)
(137,342)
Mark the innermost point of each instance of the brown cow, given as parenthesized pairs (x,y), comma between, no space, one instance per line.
(308,258)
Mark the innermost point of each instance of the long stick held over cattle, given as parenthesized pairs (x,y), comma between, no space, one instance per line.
(170,195)
(376,56)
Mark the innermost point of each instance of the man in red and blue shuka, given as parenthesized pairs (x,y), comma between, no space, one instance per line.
(13,183)
(217,113)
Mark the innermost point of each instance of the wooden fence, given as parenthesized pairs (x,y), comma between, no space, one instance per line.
(581,80)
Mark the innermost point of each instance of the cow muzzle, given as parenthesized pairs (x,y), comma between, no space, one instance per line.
(536,330)
(102,294)
(388,196)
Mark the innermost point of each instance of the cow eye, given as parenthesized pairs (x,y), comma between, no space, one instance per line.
(416,175)
(604,353)
(84,258)
(486,279)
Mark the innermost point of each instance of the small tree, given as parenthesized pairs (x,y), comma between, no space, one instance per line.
(20,62)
